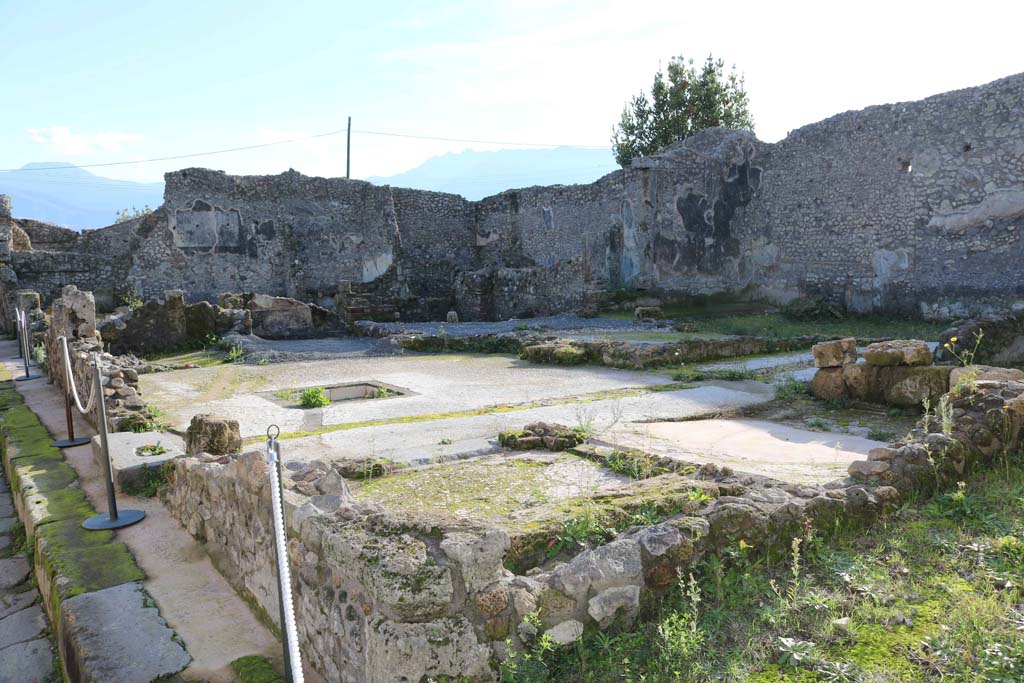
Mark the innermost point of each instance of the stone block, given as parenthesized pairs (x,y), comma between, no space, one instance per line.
(835,353)
(898,352)
(862,382)
(277,317)
(828,384)
(117,634)
(212,434)
(127,465)
(984,373)
(909,386)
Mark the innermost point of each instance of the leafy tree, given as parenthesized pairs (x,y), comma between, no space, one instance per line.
(682,102)
(125,215)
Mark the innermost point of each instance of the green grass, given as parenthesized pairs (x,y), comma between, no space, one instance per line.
(255,669)
(202,358)
(932,594)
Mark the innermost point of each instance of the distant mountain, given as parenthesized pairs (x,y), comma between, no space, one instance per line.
(475,175)
(72,196)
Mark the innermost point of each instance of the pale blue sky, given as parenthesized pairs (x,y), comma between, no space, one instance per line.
(97,81)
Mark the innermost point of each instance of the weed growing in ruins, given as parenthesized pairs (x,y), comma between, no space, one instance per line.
(634,464)
(792,389)
(699,496)
(314,397)
(149,483)
(968,380)
(945,413)
(686,374)
(877,434)
(587,530)
(132,299)
(151,449)
(963,508)
(235,354)
(446,441)
(39,355)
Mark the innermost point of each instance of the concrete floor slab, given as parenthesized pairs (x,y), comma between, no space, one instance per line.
(755,446)
(440,384)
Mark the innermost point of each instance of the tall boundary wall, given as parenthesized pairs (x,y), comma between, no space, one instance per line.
(910,208)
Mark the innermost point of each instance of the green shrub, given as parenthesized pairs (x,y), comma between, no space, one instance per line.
(314,397)
(792,389)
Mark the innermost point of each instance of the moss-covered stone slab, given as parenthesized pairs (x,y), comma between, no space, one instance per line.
(117,634)
(78,560)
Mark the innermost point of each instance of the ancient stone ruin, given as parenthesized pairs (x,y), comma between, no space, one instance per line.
(911,207)
(501,425)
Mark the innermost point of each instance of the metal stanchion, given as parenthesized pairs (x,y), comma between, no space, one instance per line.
(23,331)
(112,519)
(292,656)
(71,441)
(17,328)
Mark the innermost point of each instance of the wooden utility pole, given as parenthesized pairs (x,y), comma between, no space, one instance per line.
(348,150)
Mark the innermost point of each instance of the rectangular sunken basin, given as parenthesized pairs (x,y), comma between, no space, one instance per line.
(353,391)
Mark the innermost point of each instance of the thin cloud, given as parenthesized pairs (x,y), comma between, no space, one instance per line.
(62,140)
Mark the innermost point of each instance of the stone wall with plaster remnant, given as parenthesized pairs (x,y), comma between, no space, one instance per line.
(911,208)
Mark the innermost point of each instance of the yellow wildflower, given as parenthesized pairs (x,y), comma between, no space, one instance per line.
(952,339)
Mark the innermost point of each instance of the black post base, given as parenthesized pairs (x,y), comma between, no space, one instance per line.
(71,443)
(124,518)
(25,378)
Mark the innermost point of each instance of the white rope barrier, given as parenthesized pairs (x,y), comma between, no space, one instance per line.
(70,378)
(293,658)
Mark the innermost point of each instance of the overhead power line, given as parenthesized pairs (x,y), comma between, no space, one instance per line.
(482,142)
(293,140)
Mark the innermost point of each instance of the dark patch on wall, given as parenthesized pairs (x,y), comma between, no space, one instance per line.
(613,258)
(709,240)
(266,230)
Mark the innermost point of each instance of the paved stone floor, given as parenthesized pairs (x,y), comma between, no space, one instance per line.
(456,404)
(26,652)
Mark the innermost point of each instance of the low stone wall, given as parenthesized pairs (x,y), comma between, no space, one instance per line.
(169,324)
(381,598)
(74,318)
(1001,341)
(551,349)
(982,426)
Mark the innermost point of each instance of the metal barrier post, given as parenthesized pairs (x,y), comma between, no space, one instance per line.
(17,328)
(25,352)
(112,519)
(71,441)
(292,655)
